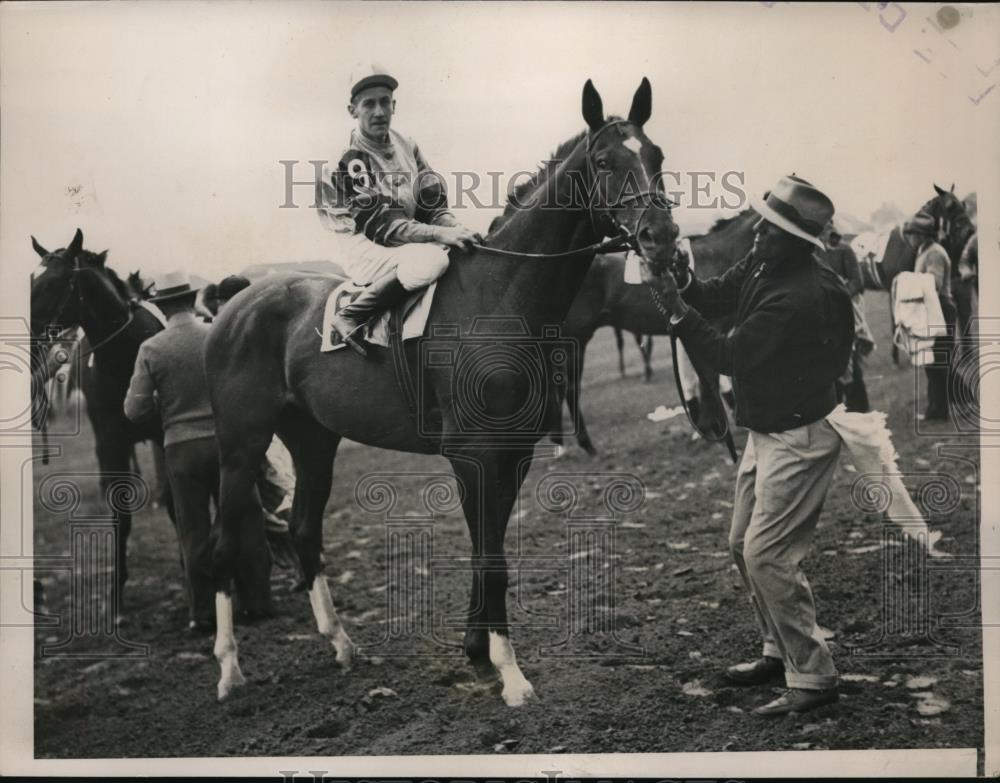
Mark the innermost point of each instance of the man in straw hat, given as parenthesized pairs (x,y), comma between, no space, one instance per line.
(169,380)
(794,326)
(921,233)
(384,196)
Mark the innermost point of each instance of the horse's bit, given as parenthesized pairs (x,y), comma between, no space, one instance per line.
(74,287)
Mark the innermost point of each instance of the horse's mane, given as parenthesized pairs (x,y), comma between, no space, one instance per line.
(94,260)
(545,170)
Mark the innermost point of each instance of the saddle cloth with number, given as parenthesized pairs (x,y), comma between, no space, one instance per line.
(415,310)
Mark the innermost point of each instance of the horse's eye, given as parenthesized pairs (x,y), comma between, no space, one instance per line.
(602,163)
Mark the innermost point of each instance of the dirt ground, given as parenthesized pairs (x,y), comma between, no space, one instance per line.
(679,609)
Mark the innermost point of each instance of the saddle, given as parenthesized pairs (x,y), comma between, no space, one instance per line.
(414,312)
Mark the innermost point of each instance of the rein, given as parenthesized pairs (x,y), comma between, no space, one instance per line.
(726,436)
(612,245)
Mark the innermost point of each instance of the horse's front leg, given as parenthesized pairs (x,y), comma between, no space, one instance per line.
(491,480)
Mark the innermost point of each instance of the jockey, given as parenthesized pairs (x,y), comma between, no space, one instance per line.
(384,196)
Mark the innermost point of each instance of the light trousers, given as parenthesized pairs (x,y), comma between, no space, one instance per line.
(417,264)
(780,488)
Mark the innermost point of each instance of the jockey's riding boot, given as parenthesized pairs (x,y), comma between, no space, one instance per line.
(374,300)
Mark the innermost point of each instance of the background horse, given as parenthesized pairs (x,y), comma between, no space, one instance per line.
(954,227)
(644,342)
(490,310)
(76,288)
(605,299)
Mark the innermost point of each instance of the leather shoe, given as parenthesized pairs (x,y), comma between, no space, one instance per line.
(798,700)
(760,672)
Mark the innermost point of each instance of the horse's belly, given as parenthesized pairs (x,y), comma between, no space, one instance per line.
(360,399)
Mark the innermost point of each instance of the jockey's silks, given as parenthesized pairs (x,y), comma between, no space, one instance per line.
(387,191)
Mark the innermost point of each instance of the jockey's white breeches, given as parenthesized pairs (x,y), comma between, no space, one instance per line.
(417,265)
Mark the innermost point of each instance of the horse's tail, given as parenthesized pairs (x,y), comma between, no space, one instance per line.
(246,378)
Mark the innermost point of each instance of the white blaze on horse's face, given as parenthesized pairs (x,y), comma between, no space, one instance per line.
(632,143)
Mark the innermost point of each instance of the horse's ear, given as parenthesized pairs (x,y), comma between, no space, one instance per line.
(75,246)
(593,107)
(101,258)
(38,248)
(642,104)
(952,187)
(939,191)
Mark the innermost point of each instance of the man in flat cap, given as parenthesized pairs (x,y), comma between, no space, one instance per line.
(384,195)
(794,327)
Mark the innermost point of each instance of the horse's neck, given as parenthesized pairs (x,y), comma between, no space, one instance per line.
(537,290)
(108,319)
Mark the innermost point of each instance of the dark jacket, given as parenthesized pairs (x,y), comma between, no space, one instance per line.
(791,339)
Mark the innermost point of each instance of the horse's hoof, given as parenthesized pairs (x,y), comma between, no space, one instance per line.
(120,620)
(589,448)
(518,695)
(228,684)
(346,652)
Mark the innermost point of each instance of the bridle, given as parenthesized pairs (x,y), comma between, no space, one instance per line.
(625,238)
(621,237)
(74,288)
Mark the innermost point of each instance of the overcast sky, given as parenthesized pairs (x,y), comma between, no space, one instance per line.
(158,128)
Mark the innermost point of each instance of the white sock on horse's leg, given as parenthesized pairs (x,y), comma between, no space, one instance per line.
(329,623)
(225,646)
(516,688)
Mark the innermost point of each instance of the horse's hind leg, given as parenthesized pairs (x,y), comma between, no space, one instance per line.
(645,343)
(114,455)
(620,345)
(313,449)
(243,439)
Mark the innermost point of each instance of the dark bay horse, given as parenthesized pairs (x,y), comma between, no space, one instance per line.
(76,288)
(267,375)
(605,299)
